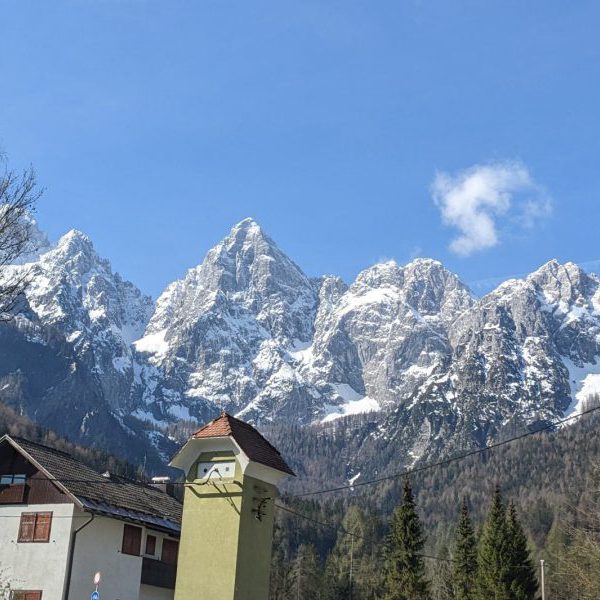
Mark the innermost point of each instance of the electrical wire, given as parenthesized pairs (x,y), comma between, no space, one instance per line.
(338,528)
(443,462)
(407,472)
(341,529)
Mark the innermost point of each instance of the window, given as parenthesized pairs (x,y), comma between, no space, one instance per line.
(26,595)
(132,540)
(19,479)
(169,551)
(150,545)
(12,488)
(35,527)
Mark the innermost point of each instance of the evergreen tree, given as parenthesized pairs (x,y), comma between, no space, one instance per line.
(494,557)
(278,581)
(346,556)
(305,576)
(405,569)
(524,581)
(442,577)
(465,557)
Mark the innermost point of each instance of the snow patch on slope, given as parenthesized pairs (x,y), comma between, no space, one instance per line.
(354,403)
(153,343)
(584,382)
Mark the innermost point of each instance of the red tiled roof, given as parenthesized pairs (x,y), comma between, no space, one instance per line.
(256,447)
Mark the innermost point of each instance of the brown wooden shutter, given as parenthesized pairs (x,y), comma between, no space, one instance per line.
(150,545)
(26,595)
(132,540)
(169,551)
(43,524)
(26,527)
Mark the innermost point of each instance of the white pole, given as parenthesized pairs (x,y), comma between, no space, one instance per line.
(543,582)
(351,563)
(300,559)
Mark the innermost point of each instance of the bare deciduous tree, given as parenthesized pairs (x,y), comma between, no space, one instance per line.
(573,568)
(19,194)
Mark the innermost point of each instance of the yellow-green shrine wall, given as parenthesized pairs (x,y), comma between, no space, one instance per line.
(225,552)
(255,542)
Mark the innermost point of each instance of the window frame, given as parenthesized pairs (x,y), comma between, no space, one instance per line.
(125,549)
(35,538)
(169,543)
(155,545)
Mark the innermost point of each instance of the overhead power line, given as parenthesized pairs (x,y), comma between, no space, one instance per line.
(120,480)
(342,530)
(443,462)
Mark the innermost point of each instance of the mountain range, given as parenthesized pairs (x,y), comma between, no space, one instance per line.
(408,352)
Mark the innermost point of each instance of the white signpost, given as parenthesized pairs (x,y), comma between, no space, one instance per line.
(96,593)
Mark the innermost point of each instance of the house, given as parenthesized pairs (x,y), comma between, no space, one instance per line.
(61,522)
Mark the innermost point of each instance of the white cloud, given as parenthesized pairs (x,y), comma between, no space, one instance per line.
(478,200)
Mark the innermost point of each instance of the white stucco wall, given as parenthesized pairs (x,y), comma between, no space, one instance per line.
(35,566)
(98,548)
(43,566)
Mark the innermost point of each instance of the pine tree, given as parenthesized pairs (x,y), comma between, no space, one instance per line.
(405,569)
(305,577)
(442,587)
(524,582)
(346,555)
(465,557)
(494,557)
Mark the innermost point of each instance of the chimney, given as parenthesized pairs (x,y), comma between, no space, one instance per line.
(164,484)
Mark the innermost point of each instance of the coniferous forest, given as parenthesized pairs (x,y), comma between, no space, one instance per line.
(474,529)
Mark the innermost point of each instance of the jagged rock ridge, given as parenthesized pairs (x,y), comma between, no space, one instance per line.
(249,332)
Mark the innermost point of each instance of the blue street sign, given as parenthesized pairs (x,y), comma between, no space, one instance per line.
(95,596)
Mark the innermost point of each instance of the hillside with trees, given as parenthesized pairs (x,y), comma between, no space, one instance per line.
(548,483)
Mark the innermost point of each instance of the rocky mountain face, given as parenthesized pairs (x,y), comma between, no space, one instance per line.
(67,357)
(219,338)
(247,331)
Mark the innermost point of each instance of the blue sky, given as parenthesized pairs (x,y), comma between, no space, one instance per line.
(352,131)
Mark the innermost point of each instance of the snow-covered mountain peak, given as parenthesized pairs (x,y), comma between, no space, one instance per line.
(424,264)
(75,241)
(248,331)
(566,282)
(432,289)
(221,335)
(379,275)
(77,296)
(423,284)
(248,260)
(248,269)
(74,255)
(247,226)
(553,269)
(555,286)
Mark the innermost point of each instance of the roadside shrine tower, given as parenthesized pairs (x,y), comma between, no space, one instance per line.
(232,473)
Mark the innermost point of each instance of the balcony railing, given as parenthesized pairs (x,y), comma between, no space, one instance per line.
(158,573)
